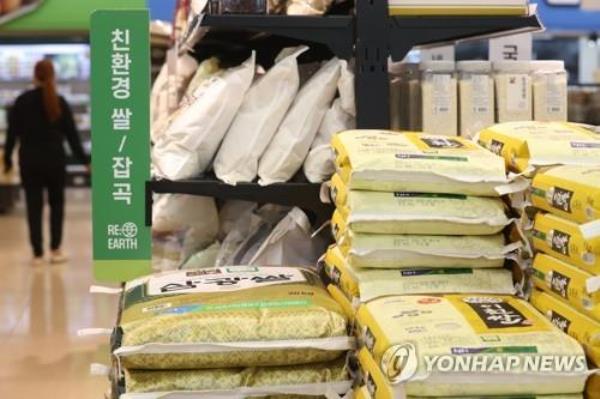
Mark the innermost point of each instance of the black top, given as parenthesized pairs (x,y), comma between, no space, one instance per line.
(41,141)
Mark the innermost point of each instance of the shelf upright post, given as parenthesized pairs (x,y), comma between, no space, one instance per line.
(372,48)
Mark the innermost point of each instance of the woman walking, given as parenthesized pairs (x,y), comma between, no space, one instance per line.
(40,120)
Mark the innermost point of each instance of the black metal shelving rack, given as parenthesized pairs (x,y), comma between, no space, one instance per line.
(371,36)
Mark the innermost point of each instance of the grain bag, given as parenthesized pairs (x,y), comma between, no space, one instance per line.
(229,317)
(285,154)
(527,145)
(415,213)
(193,137)
(313,380)
(446,345)
(576,286)
(257,120)
(567,241)
(320,162)
(571,192)
(363,285)
(584,329)
(396,251)
(381,160)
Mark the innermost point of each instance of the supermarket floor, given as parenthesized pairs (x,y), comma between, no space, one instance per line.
(42,308)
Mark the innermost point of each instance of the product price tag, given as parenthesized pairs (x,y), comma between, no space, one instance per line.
(121,144)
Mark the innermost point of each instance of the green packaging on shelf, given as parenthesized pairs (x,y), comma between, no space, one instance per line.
(310,380)
(239,316)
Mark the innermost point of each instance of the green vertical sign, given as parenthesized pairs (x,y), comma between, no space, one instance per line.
(120,143)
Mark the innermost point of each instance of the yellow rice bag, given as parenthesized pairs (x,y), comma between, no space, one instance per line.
(576,286)
(466,345)
(230,317)
(310,380)
(418,214)
(585,330)
(363,285)
(571,192)
(526,145)
(395,251)
(567,241)
(382,160)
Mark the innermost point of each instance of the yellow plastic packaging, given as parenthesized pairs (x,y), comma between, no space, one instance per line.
(567,241)
(382,160)
(571,192)
(305,379)
(384,251)
(362,285)
(404,335)
(236,316)
(585,330)
(526,145)
(574,285)
(416,213)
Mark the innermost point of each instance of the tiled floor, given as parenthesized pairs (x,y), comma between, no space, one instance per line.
(42,308)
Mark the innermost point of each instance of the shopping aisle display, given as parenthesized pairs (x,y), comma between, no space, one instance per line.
(427,260)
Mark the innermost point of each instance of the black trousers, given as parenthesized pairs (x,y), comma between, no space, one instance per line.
(38,180)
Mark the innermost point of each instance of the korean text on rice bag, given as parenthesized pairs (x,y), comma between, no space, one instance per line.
(418,214)
(312,379)
(230,317)
(567,241)
(394,251)
(425,344)
(390,161)
(585,330)
(535,144)
(362,285)
(571,192)
(574,285)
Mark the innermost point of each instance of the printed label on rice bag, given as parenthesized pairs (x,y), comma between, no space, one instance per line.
(222,280)
(559,284)
(496,313)
(561,322)
(560,242)
(561,199)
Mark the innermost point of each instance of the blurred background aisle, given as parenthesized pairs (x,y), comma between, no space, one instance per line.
(41,309)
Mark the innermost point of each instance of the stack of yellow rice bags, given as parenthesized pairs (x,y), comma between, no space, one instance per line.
(420,253)
(231,332)
(566,271)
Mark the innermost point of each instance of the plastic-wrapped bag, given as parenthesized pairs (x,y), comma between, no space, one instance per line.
(193,138)
(245,236)
(230,213)
(290,145)
(320,162)
(291,243)
(308,7)
(204,258)
(256,122)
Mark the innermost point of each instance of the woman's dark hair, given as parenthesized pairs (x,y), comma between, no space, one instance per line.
(45,78)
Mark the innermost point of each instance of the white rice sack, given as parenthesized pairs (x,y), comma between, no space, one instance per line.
(176,212)
(194,136)
(256,122)
(290,243)
(167,90)
(290,145)
(320,162)
(231,212)
(346,89)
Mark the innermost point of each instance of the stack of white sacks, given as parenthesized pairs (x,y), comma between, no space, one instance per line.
(421,264)
(246,123)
